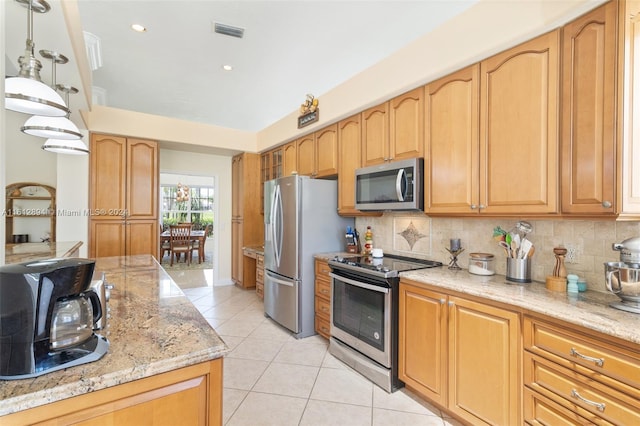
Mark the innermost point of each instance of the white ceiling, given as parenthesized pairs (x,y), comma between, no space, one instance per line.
(289,49)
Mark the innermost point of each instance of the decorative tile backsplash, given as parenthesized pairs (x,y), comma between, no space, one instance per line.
(588,242)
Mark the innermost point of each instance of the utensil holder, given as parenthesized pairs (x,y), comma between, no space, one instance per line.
(519,270)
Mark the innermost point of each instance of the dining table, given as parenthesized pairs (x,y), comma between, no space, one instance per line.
(196,235)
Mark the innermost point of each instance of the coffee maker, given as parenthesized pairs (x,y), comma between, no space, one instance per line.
(48,313)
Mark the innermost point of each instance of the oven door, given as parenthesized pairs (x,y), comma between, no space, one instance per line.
(361,316)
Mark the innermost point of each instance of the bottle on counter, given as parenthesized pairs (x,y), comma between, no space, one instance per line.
(368,241)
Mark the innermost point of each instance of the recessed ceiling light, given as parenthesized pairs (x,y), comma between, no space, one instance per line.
(227,67)
(139,28)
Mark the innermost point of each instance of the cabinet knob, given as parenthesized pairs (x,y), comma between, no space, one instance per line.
(606,204)
(442,301)
(482,206)
(473,206)
(451,303)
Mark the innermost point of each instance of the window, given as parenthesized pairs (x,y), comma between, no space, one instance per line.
(196,207)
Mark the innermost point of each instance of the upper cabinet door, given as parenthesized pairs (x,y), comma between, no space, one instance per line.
(327,151)
(375,135)
(142,179)
(289,158)
(519,128)
(588,113)
(108,177)
(451,143)
(306,152)
(406,125)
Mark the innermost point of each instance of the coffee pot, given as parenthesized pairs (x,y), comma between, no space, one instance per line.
(48,313)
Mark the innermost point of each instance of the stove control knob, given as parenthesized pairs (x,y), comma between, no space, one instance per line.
(385,269)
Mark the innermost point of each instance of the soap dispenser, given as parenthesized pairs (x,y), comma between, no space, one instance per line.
(572,286)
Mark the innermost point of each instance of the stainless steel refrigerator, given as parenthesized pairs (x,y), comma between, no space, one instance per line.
(301,219)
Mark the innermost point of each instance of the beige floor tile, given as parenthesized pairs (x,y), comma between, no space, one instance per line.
(258,349)
(332,362)
(324,413)
(262,409)
(238,327)
(232,341)
(242,374)
(298,352)
(402,400)
(270,330)
(287,379)
(231,399)
(345,386)
(398,418)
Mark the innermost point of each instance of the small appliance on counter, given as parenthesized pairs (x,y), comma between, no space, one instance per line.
(48,314)
(623,278)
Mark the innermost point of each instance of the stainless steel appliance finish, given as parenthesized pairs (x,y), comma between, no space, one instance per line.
(364,314)
(47,317)
(391,186)
(301,220)
(623,278)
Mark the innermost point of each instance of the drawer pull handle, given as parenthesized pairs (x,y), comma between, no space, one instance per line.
(598,361)
(324,291)
(599,405)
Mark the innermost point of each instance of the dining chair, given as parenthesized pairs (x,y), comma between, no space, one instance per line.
(180,242)
(165,245)
(198,244)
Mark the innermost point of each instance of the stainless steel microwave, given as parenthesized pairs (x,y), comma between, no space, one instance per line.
(391,186)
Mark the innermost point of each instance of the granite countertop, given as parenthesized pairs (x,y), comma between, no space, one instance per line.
(254,249)
(23,252)
(154,328)
(589,309)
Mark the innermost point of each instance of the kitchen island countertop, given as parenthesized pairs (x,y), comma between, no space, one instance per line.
(154,328)
(589,309)
(24,252)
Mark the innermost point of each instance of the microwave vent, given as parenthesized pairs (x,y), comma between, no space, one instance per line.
(228,30)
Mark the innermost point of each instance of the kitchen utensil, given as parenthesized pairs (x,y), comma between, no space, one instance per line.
(531,251)
(623,281)
(525,247)
(515,243)
(506,247)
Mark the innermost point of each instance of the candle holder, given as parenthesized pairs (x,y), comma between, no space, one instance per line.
(453,264)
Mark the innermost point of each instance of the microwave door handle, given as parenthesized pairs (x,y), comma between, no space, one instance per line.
(402,177)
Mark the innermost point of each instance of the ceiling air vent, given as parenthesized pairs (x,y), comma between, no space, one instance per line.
(228,30)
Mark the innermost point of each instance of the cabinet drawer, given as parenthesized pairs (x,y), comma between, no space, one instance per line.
(574,391)
(260,275)
(616,366)
(260,261)
(322,268)
(323,307)
(540,410)
(322,326)
(260,290)
(323,287)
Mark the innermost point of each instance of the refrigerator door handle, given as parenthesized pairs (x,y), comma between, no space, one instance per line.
(276,223)
(278,280)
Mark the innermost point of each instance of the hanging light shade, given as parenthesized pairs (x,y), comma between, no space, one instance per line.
(51,127)
(26,92)
(63,146)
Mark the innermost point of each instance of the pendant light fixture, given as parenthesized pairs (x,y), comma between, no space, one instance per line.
(66,146)
(52,127)
(26,92)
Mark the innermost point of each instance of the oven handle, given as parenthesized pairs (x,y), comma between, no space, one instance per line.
(360,284)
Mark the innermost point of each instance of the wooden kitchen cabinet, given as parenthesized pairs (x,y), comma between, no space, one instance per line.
(375,135)
(577,374)
(519,128)
(455,352)
(306,155)
(322,298)
(30,200)
(588,144)
(394,130)
(260,275)
(186,396)
(452,176)
(270,168)
(247,228)
(290,158)
(123,196)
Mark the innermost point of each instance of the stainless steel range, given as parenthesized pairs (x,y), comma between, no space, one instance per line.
(364,314)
